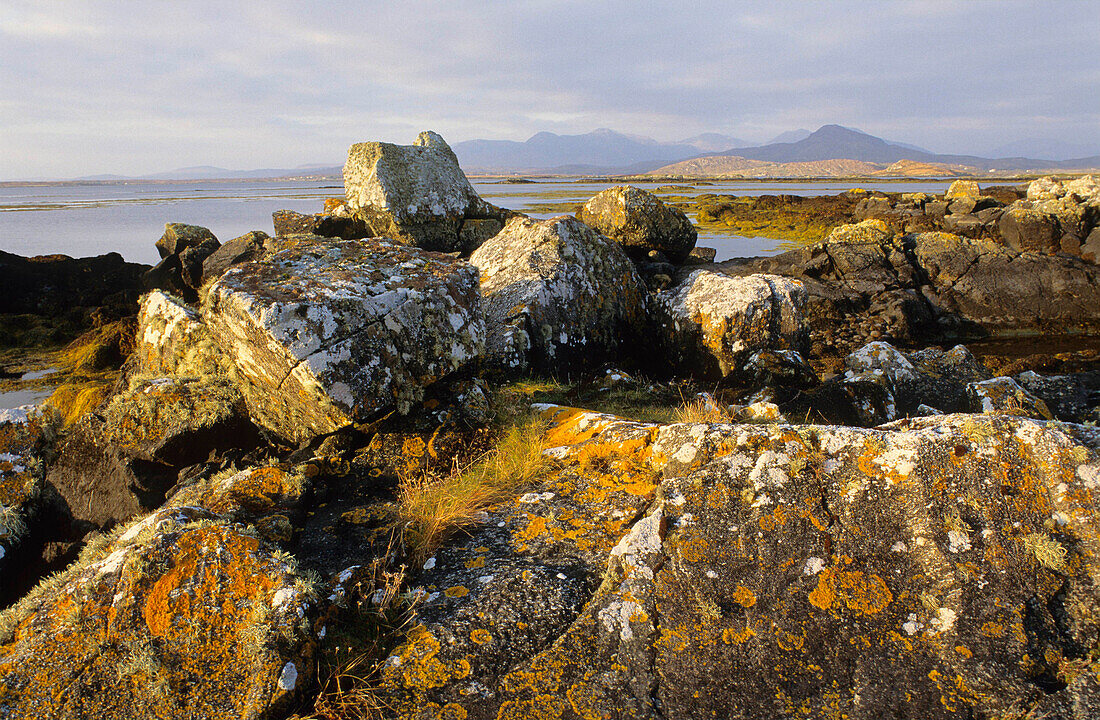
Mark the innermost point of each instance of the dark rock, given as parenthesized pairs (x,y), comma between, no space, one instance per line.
(250,246)
(1070,398)
(700,256)
(1025,228)
(178,237)
(288,222)
(56,284)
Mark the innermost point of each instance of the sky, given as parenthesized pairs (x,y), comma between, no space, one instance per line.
(90,87)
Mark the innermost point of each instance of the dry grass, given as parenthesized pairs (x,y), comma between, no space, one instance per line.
(74,400)
(434,507)
(701,410)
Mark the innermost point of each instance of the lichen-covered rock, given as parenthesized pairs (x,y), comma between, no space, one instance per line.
(327,332)
(183,249)
(941,567)
(640,222)
(416,193)
(288,222)
(1004,395)
(558,296)
(1027,228)
(963,189)
(170,335)
(711,322)
(31,513)
(183,614)
(1072,398)
(178,237)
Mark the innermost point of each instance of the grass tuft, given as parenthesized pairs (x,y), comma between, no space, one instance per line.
(434,507)
(701,410)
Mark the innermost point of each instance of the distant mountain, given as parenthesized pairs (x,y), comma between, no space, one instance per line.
(209,172)
(1046,148)
(788,137)
(600,150)
(832,142)
(713,142)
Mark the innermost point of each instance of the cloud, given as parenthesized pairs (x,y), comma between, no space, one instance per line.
(141,87)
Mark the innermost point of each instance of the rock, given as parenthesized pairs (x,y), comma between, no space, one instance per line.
(57,284)
(819,563)
(178,237)
(963,189)
(250,246)
(1072,398)
(1086,187)
(32,515)
(1045,188)
(1004,395)
(328,332)
(701,256)
(185,613)
(559,296)
(963,205)
(1090,249)
(121,461)
(474,232)
(710,323)
(779,368)
(415,194)
(326,224)
(171,337)
(640,222)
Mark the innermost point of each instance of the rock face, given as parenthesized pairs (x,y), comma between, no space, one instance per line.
(417,194)
(250,246)
(711,323)
(327,331)
(185,613)
(168,336)
(183,249)
(57,284)
(641,223)
(558,296)
(754,572)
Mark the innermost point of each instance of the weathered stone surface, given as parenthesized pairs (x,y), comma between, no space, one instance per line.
(711,322)
(170,333)
(963,189)
(327,332)
(121,461)
(416,194)
(250,246)
(1004,395)
(1025,228)
(1073,398)
(773,572)
(326,224)
(640,222)
(183,614)
(558,296)
(31,513)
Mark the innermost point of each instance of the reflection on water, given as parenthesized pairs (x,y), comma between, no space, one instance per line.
(92,219)
(18,398)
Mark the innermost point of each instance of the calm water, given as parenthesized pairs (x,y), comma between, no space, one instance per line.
(94,218)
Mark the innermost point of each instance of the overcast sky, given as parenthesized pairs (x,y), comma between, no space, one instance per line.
(92,87)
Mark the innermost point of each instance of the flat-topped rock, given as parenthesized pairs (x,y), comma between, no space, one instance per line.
(327,332)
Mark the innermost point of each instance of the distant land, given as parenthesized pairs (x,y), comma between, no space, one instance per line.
(830,151)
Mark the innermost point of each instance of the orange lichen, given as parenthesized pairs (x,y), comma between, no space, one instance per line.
(736,637)
(864,593)
(481,636)
(456,592)
(744,597)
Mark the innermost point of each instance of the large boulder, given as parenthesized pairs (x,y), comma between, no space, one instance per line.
(416,194)
(328,332)
(184,614)
(58,284)
(183,249)
(711,322)
(641,223)
(771,572)
(1025,228)
(963,189)
(558,296)
(171,337)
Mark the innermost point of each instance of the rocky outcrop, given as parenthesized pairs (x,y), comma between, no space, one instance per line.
(641,223)
(183,249)
(57,285)
(122,460)
(711,323)
(328,332)
(171,337)
(558,296)
(34,523)
(756,572)
(183,613)
(418,194)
